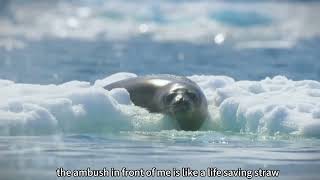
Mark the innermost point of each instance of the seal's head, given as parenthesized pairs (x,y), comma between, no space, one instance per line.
(186,104)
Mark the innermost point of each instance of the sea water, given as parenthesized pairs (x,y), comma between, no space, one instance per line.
(257,62)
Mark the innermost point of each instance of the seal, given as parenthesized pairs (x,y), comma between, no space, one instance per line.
(176,96)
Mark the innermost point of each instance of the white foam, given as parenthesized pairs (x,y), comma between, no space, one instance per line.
(271,106)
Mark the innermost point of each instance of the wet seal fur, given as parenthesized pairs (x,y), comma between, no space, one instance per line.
(176,96)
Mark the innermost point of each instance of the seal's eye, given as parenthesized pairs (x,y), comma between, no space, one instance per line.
(192,95)
(170,97)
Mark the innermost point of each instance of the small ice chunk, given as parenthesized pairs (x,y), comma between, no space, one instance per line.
(121,95)
(114,78)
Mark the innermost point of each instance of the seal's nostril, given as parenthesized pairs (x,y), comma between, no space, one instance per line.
(179,99)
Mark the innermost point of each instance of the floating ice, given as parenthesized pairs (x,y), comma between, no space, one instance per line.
(73,106)
(271,106)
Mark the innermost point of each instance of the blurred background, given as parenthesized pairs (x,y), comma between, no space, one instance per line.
(269,124)
(54,41)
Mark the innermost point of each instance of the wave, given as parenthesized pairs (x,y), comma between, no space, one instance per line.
(271,106)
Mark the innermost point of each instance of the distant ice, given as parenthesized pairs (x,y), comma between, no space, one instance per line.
(247,25)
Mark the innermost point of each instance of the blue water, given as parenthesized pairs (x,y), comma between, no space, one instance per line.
(39,157)
(33,51)
(75,59)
